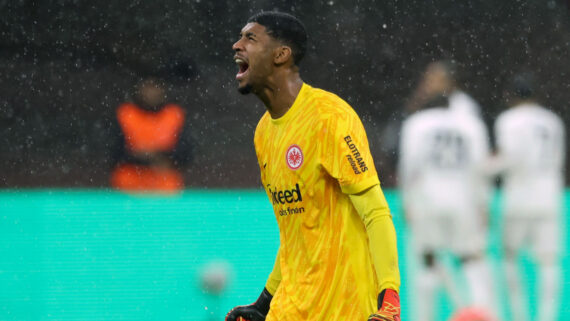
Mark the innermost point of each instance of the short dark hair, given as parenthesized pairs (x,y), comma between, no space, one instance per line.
(450,67)
(285,28)
(439,100)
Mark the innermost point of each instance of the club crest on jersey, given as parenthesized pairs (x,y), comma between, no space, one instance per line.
(294,157)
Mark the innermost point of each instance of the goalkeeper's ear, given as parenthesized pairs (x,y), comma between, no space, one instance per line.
(282,55)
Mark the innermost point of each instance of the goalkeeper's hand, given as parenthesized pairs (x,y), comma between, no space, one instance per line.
(253,312)
(388,307)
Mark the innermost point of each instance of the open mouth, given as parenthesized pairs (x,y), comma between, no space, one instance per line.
(243,67)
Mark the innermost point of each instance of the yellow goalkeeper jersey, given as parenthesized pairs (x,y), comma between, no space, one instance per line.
(310,159)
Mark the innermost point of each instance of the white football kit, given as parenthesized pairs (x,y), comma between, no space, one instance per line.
(530,146)
(445,197)
(531,155)
(461,102)
(444,194)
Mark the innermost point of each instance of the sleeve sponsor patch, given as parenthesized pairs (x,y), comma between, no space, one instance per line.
(355,158)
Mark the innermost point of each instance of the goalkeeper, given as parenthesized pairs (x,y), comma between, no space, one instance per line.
(337,258)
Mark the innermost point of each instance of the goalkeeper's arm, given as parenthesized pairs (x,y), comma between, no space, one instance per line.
(258,310)
(372,207)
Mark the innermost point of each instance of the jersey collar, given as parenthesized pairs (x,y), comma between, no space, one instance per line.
(293,109)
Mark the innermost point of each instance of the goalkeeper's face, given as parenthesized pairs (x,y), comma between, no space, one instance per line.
(254,55)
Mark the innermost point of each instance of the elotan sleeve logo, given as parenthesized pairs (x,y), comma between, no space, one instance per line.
(294,157)
(355,159)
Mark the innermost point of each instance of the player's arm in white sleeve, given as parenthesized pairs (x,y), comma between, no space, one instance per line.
(499,161)
(482,153)
(406,168)
(562,143)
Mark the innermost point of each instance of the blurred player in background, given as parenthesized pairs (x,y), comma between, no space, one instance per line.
(152,142)
(530,156)
(337,258)
(445,198)
(441,77)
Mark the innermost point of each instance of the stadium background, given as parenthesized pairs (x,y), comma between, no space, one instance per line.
(72,249)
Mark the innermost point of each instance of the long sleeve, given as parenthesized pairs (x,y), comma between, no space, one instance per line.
(372,207)
(274,277)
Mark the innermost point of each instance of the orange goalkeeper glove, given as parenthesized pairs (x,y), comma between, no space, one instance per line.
(388,307)
(253,312)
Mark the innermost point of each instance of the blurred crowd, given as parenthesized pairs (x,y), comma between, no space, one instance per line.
(152,142)
(68,65)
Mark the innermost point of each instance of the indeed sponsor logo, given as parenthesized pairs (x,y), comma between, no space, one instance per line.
(286,196)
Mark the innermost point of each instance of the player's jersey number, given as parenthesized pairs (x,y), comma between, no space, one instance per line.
(447,149)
